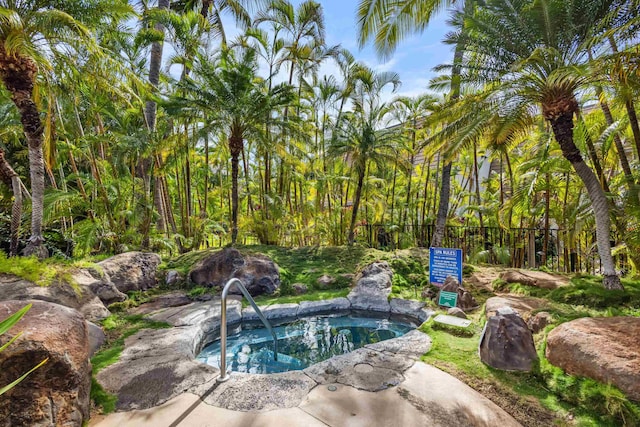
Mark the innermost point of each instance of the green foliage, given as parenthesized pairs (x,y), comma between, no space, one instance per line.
(307,265)
(467,270)
(311,296)
(454,330)
(101,398)
(135,298)
(591,403)
(42,273)
(585,291)
(499,285)
(285,282)
(197,291)
(120,327)
(588,291)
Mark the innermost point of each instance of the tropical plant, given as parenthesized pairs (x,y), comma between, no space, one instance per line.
(390,21)
(363,135)
(229,93)
(534,53)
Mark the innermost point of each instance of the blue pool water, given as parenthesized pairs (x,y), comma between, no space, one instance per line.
(301,343)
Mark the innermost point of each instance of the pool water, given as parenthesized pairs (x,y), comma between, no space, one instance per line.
(301,343)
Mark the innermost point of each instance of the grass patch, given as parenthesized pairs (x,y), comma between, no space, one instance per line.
(306,265)
(545,396)
(42,273)
(101,398)
(312,296)
(135,299)
(45,272)
(118,327)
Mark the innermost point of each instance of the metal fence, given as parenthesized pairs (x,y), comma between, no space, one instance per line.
(566,250)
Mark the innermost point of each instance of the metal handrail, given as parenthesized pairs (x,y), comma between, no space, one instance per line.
(223,325)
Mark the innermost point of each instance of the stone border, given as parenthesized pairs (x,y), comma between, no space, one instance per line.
(168,356)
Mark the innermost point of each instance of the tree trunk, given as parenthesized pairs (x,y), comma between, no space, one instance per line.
(477,176)
(443,207)
(356,205)
(410,175)
(562,124)
(445,189)
(150,110)
(547,206)
(235,147)
(18,74)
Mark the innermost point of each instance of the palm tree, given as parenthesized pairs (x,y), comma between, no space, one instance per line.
(411,113)
(534,53)
(31,35)
(229,92)
(389,21)
(360,136)
(303,31)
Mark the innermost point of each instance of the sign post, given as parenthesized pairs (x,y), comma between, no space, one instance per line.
(444,262)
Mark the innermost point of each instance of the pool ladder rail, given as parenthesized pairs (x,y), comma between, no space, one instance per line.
(223,325)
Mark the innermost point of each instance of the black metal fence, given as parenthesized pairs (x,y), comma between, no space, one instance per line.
(557,249)
(566,250)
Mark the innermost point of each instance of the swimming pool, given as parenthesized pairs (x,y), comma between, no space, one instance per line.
(301,343)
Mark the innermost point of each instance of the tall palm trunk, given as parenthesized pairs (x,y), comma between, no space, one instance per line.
(560,115)
(408,198)
(477,185)
(18,74)
(356,205)
(150,110)
(445,188)
(443,206)
(235,147)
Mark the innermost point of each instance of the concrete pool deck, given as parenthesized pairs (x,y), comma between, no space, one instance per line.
(426,397)
(159,382)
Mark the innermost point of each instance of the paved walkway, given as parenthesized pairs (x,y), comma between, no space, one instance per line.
(426,397)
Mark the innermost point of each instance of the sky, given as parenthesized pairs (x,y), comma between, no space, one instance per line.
(414,57)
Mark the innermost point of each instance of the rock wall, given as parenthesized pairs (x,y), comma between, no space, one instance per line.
(57,393)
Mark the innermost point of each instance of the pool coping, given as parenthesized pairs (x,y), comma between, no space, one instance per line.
(172,352)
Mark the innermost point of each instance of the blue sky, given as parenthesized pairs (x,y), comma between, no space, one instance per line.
(413,59)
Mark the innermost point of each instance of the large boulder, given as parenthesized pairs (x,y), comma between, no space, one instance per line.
(507,342)
(522,304)
(57,393)
(258,273)
(539,279)
(132,271)
(79,297)
(99,284)
(373,286)
(605,349)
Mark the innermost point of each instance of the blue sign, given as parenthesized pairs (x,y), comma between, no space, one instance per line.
(444,262)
